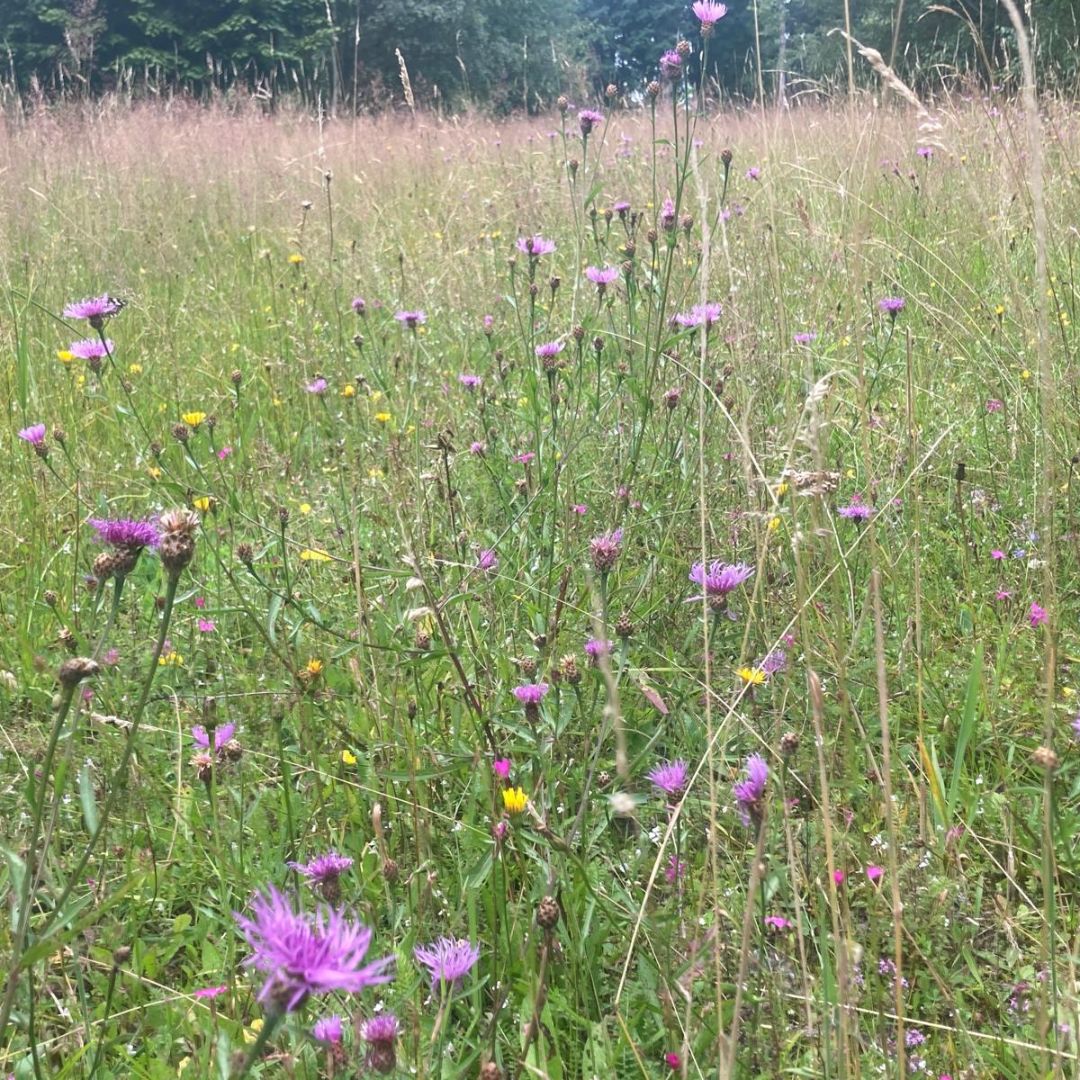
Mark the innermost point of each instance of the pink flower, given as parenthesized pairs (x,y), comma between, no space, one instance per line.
(524,459)
(997,554)
(993,405)
(206,626)
(224,452)
(501,768)
(1002,595)
(838,877)
(777,923)
(580,509)
(200,602)
(1037,615)
(672,1060)
(210,991)
(874,873)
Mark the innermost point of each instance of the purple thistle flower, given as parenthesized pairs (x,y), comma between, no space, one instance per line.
(857,510)
(487,560)
(925,152)
(671,66)
(328,1030)
(535,246)
(470,382)
(621,207)
(95,310)
(549,350)
(750,793)
(307,954)
(531,693)
(1037,615)
(222,735)
(447,960)
(34,435)
(602,277)
(699,315)
(597,647)
(316,386)
(805,337)
(359,305)
(588,119)
(91,349)
(669,777)
(719,579)
(774,662)
(411,319)
(753,173)
(125,532)
(891,305)
(380,1029)
(709,13)
(324,868)
(605,550)
(667,214)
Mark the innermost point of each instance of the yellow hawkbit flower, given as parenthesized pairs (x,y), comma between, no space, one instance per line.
(999,311)
(64,356)
(1025,374)
(751,676)
(202,503)
(383,417)
(782,489)
(314,668)
(171,659)
(774,524)
(314,555)
(347,758)
(296,258)
(155,472)
(134,369)
(305,508)
(193,419)
(348,390)
(515,800)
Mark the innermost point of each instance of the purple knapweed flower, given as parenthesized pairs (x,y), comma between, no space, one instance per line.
(605,550)
(91,349)
(549,350)
(359,305)
(753,173)
(602,277)
(874,874)
(719,579)
(621,207)
(487,560)
(222,735)
(891,305)
(535,246)
(669,777)
(470,382)
(597,647)
(531,693)
(206,626)
(324,868)
(305,954)
(411,319)
(774,662)
(208,993)
(750,793)
(380,1029)
(1037,615)
(671,66)
(489,325)
(925,152)
(525,458)
(95,310)
(856,510)
(224,452)
(699,315)
(588,119)
(328,1030)
(805,337)
(125,533)
(316,386)
(709,13)
(447,960)
(993,405)
(479,449)
(34,435)
(667,214)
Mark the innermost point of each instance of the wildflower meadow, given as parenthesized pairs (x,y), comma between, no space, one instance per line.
(587,595)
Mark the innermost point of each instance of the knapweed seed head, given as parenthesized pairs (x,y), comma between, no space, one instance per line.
(177,543)
(304,954)
(75,669)
(447,960)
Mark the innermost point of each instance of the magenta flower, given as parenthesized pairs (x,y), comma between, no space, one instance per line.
(675,870)
(669,777)
(478,448)
(487,560)
(328,1030)
(501,768)
(753,173)
(699,315)
(874,873)
(605,550)
(857,510)
(1037,615)
(602,277)
(91,349)
(411,319)
(588,119)
(750,793)
(667,214)
(448,961)
(774,662)
(316,386)
(224,452)
(524,459)
(549,350)
(125,533)
(470,382)
(489,324)
(322,869)
(531,693)
(838,877)
(805,337)
(709,13)
(206,626)
(222,735)
(95,310)
(671,66)
(1002,595)
(359,305)
(535,246)
(210,992)
(380,1029)
(305,954)
(925,152)
(891,305)
(777,923)
(997,554)
(597,647)
(621,207)
(580,509)
(719,580)
(34,435)
(993,405)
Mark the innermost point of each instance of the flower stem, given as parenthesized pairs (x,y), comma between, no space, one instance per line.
(270,1023)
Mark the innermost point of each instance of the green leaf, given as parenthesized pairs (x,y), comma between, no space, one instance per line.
(967,726)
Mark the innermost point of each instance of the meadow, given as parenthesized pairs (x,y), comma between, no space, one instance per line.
(551,598)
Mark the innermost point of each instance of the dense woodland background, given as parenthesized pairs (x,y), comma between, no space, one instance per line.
(341,55)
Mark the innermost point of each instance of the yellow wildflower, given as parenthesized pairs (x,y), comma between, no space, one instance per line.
(314,555)
(171,659)
(514,800)
(202,503)
(305,508)
(193,419)
(999,311)
(314,668)
(774,524)
(134,369)
(383,417)
(348,390)
(1025,374)
(751,676)
(296,258)
(155,472)
(64,356)
(347,758)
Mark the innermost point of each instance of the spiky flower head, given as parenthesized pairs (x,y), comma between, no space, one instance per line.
(669,777)
(316,386)
(323,868)
(602,276)
(891,305)
(328,1030)
(177,543)
(359,305)
(671,66)
(588,119)
(91,349)
(531,693)
(35,436)
(535,246)
(708,13)
(605,550)
(94,310)
(125,532)
(447,960)
(380,1033)
(718,580)
(750,793)
(222,735)
(411,319)
(700,315)
(304,954)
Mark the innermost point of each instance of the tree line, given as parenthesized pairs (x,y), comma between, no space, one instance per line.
(504,55)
